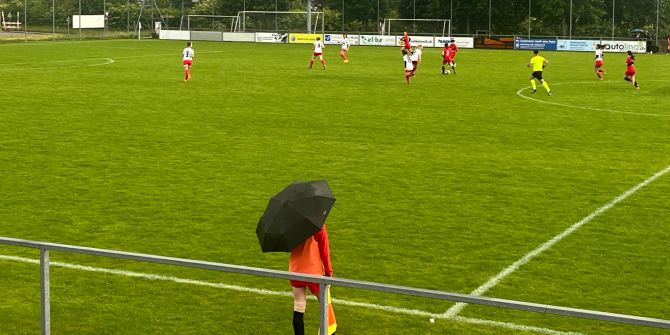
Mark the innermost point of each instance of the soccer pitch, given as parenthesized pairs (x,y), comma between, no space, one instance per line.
(441,184)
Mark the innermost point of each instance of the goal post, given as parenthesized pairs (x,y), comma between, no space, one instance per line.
(277,21)
(208,22)
(425,26)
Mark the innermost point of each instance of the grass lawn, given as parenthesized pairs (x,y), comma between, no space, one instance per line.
(440,184)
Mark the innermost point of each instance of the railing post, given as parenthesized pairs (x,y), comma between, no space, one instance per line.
(44,285)
(323,309)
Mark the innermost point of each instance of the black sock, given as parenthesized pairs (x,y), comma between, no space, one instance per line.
(635,83)
(298,323)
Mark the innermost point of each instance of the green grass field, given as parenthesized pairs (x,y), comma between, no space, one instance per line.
(440,184)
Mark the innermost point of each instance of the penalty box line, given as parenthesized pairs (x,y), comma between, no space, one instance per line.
(495,280)
(398,310)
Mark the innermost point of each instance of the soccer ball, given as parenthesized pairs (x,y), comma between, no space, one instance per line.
(447,72)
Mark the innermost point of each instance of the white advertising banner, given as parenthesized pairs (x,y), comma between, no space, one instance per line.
(610,46)
(461,42)
(271,37)
(335,39)
(88,21)
(175,35)
(378,40)
(239,37)
(426,41)
(624,46)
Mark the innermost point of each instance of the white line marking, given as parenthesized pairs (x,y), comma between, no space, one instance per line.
(584,107)
(495,280)
(56,67)
(237,288)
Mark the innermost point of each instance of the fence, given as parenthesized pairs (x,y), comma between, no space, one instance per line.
(45,247)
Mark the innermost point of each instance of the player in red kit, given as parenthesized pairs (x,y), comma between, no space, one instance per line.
(630,70)
(454,50)
(446,57)
(405,43)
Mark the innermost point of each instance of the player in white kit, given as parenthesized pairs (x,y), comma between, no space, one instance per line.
(318,52)
(344,42)
(187,60)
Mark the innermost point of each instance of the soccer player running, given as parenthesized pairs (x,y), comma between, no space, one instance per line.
(344,42)
(311,257)
(454,50)
(409,67)
(630,70)
(537,63)
(318,52)
(447,57)
(599,61)
(187,60)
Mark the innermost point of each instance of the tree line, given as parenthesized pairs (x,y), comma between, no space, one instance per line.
(588,18)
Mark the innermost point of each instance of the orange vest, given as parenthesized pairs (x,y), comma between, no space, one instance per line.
(312,256)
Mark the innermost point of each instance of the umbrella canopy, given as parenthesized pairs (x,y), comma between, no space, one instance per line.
(637,30)
(294,214)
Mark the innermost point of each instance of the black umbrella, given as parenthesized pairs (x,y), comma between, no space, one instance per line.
(294,214)
(637,30)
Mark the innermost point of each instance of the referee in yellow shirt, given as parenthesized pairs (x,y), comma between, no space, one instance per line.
(538,63)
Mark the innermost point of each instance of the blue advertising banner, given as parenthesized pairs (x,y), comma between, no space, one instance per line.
(535,43)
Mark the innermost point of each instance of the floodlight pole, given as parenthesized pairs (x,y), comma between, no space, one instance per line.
(489,18)
(309,16)
(570,20)
(53,18)
(529,3)
(658,10)
(79,18)
(613,20)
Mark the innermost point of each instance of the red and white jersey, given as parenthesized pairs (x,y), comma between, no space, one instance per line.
(446,53)
(318,47)
(599,54)
(344,42)
(188,53)
(408,63)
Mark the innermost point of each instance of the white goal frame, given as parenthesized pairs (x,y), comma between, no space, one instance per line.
(233,20)
(242,18)
(446,25)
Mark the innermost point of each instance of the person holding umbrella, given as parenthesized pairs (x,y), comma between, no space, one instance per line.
(311,257)
(294,221)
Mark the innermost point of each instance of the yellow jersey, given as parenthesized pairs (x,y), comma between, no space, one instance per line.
(537,62)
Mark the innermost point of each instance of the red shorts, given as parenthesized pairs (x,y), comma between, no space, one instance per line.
(630,71)
(408,73)
(313,287)
(599,63)
(187,62)
(317,54)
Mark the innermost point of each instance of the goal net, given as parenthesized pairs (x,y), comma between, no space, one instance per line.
(441,27)
(275,21)
(208,22)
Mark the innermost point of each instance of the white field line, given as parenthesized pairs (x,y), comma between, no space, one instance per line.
(237,288)
(107,61)
(584,107)
(495,280)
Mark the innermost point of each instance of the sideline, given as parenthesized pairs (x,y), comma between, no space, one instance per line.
(107,61)
(237,288)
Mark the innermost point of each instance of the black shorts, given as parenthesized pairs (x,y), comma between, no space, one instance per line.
(537,75)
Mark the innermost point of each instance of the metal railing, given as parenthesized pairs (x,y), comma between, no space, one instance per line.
(323,281)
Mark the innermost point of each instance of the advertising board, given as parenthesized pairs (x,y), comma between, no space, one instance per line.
(335,39)
(535,43)
(378,40)
(303,38)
